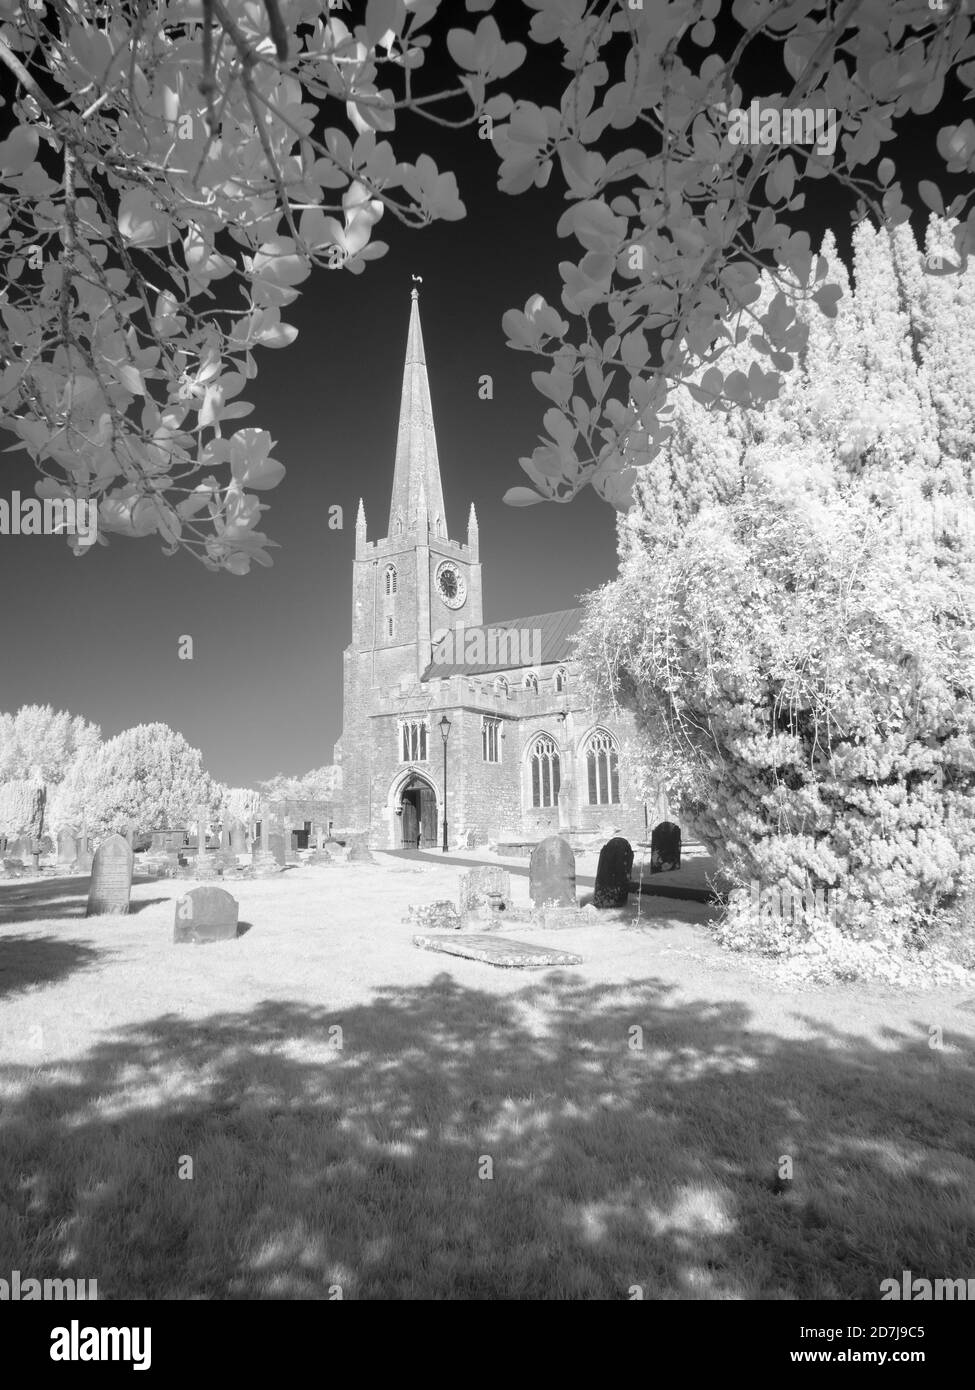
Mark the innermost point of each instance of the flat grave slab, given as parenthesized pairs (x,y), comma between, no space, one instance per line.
(495,950)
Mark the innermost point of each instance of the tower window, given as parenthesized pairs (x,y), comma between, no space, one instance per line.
(546,769)
(501,687)
(414,741)
(602,769)
(389,582)
(490,742)
(389,627)
(561,680)
(531,682)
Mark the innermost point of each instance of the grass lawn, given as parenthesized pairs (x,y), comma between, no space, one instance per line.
(409,1125)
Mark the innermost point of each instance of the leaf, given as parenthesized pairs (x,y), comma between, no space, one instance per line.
(521,497)
(18,150)
(931,195)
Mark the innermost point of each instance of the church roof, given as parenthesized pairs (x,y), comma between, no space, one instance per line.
(416,476)
(550,646)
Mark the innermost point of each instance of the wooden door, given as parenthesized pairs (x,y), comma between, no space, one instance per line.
(428,815)
(410,820)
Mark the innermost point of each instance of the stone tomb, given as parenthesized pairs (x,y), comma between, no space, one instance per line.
(111,877)
(552,873)
(205,914)
(496,950)
(485,894)
(665,847)
(613,873)
(439,915)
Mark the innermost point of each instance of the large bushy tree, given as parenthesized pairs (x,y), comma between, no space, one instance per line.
(36,741)
(794,621)
(148,775)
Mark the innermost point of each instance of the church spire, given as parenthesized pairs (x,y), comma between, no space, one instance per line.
(417,468)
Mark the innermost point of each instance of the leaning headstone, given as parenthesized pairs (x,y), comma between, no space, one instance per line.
(497,950)
(552,873)
(205,914)
(67,846)
(665,848)
(613,873)
(111,877)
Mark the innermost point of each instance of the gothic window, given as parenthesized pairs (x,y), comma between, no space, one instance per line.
(490,742)
(561,680)
(414,741)
(389,581)
(602,769)
(531,682)
(545,771)
(501,687)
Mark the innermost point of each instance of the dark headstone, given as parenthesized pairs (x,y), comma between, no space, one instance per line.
(67,846)
(613,873)
(205,914)
(111,877)
(552,873)
(665,848)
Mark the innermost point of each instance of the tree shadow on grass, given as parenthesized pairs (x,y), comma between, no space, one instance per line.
(26,961)
(464,1144)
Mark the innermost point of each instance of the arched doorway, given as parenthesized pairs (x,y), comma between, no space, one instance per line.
(416,812)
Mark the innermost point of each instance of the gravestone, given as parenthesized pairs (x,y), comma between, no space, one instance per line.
(439,915)
(485,893)
(205,914)
(497,950)
(358,851)
(238,838)
(552,873)
(276,846)
(665,848)
(111,877)
(613,873)
(21,849)
(67,846)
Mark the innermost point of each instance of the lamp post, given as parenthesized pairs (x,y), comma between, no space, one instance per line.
(445,734)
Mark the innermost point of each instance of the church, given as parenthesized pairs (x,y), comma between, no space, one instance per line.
(453,730)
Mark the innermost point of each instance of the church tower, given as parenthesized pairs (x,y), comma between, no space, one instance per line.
(408,585)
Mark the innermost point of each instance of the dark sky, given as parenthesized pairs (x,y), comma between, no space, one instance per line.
(99,635)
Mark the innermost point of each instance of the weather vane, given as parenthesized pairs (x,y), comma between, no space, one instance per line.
(419,280)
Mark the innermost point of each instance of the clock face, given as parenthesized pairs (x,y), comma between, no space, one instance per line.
(451,585)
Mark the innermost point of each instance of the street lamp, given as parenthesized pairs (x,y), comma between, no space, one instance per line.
(445,734)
